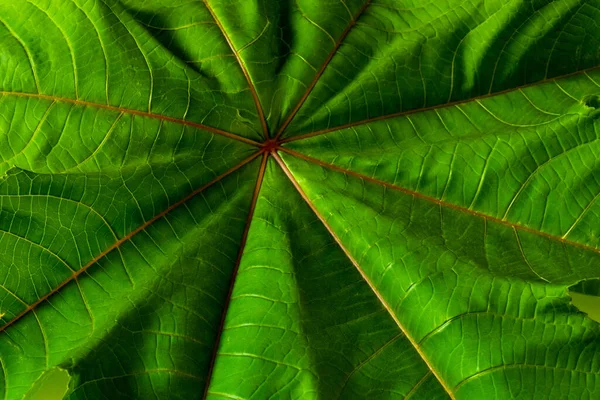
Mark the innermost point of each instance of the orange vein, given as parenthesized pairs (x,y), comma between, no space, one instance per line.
(133,112)
(322,70)
(124,239)
(440,202)
(259,109)
(261,174)
(363,274)
(444,105)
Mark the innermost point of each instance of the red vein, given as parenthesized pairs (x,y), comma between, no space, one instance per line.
(124,239)
(440,202)
(261,174)
(132,112)
(444,105)
(242,65)
(322,70)
(363,274)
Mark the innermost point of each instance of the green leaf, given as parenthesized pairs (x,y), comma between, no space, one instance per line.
(307,199)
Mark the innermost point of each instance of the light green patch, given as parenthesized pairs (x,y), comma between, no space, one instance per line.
(587,304)
(53,385)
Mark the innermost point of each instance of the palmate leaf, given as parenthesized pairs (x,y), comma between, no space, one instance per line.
(282,199)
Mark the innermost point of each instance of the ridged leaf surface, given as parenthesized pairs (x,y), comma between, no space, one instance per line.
(308,199)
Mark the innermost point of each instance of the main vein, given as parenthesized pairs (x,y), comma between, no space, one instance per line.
(312,85)
(124,239)
(259,109)
(261,174)
(364,276)
(132,112)
(434,107)
(440,202)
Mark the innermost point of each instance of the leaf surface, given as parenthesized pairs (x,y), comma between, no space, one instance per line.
(299,199)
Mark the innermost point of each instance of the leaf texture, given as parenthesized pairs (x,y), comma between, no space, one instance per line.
(338,199)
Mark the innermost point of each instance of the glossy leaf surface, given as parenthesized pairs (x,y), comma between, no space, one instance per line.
(304,199)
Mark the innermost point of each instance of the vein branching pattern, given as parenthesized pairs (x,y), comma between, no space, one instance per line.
(332,199)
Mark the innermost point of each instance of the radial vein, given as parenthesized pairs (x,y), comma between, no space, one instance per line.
(259,180)
(259,109)
(124,239)
(133,112)
(440,202)
(364,276)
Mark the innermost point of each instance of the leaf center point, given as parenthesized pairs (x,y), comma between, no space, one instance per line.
(270,146)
